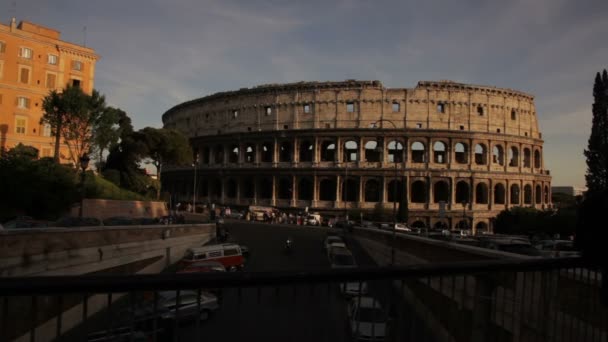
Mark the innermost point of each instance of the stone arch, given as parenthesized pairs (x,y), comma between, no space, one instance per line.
(267,152)
(440,225)
(538,195)
(527,157)
(306,151)
(514,198)
(285,189)
(394,190)
(218,156)
(395,151)
(461,153)
(248,188)
(265,190)
(514,156)
(231,188)
(285,152)
(350,190)
(481,227)
(463,224)
(250,153)
(418,152)
(498,155)
(305,188)
(372,153)
(441,191)
(527,194)
(419,190)
(463,192)
(481,154)
(439,152)
(481,193)
(546,194)
(217,188)
(499,194)
(351,151)
(328,151)
(537,160)
(373,190)
(234,154)
(327,189)
(419,224)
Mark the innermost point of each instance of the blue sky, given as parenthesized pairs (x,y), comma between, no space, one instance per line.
(157,53)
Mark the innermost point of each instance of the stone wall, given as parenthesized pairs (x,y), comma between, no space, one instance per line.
(102,209)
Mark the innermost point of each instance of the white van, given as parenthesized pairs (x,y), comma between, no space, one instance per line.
(228,254)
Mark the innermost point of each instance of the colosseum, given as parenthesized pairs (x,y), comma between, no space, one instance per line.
(458,154)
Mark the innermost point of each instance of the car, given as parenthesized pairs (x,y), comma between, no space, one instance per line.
(25,222)
(557,248)
(144,221)
(354,288)
(340,257)
(118,221)
(333,241)
(313,220)
(78,222)
(366,319)
(190,307)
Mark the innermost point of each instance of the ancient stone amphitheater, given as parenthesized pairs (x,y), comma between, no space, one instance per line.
(457,153)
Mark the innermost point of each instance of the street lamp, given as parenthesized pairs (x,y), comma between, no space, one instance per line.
(84,164)
(380,149)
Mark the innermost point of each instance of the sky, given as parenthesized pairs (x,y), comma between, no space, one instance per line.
(158,53)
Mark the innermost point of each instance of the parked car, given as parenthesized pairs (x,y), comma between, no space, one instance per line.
(190,307)
(144,221)
(366,318)
(333,241)
(24,222)
(118,221)
(355,288)
(78,222)
(340,257)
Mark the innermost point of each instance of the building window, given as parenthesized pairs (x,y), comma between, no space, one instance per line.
(513,115)
(77,65)
(46,130)
(268,110)
(307,108)
(350,107)
(52,59)
(50,80)
(480,110)
(24,75)
(26,53)
(441,108)
(75,82)
(235,113)
(396,107)
(2,47)
(418,125)
(20,125)
(461,127)
(23,102)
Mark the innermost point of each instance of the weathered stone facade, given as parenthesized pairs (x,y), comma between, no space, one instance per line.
(333,145)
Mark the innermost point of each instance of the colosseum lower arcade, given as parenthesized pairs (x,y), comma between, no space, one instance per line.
(333,146)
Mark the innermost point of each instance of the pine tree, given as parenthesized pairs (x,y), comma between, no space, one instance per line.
(597,148)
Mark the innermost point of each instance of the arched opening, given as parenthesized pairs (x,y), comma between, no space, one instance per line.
(285,152)
(499,194)
(284,190)
(248,188)
(394,190)
(418,152)
(372,153)
(480,154)
(513,156)
(395,152)
(250,153)
(265,188)
(418,224)
(462,153)
(306,151)
(328,151)
(526,157)
(514,194)
(481,193)
(372,190)
(234,154)
(440,225)
(439,152)
(205,155)
(231,188)
(527,194)
(441,192)
(218,156)
(538,196)
(327,190)
(305,189)
(546,194)
(267,152)
(537,159)
(462,192)
(217,188)
(481,227)
(351,151)
(350,190)
(498,155)
(418,194)
(463,224)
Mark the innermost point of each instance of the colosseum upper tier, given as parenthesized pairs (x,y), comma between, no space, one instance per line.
(457,153)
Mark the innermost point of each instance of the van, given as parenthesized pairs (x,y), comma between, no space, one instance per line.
(228,254)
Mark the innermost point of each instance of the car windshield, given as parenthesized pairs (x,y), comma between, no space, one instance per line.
(371,315)
(343,259)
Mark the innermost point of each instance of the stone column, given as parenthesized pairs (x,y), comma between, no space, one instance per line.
(338,201)
(294,190)
(296,152)
(275,153)
(429,195)
(255,190)
(361,190)
(273,201)
(383,194)
(315,191)
(315,154)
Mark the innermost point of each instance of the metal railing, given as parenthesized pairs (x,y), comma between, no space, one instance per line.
(502,300)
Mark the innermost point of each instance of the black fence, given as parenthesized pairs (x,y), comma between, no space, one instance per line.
(505,300)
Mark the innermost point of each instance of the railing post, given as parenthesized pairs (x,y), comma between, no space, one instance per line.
(482,309)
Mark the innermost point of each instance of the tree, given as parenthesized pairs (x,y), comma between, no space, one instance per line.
(71,115)
(106,131)
(597,148)
(23,151)
(164,146)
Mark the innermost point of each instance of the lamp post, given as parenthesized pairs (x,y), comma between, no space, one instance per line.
(84,164)
(381,149)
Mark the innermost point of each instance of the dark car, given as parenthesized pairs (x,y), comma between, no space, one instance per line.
(118,221)
(24,222)
(78,222)
(144,221)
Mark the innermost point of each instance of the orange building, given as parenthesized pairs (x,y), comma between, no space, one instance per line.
(34,61)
